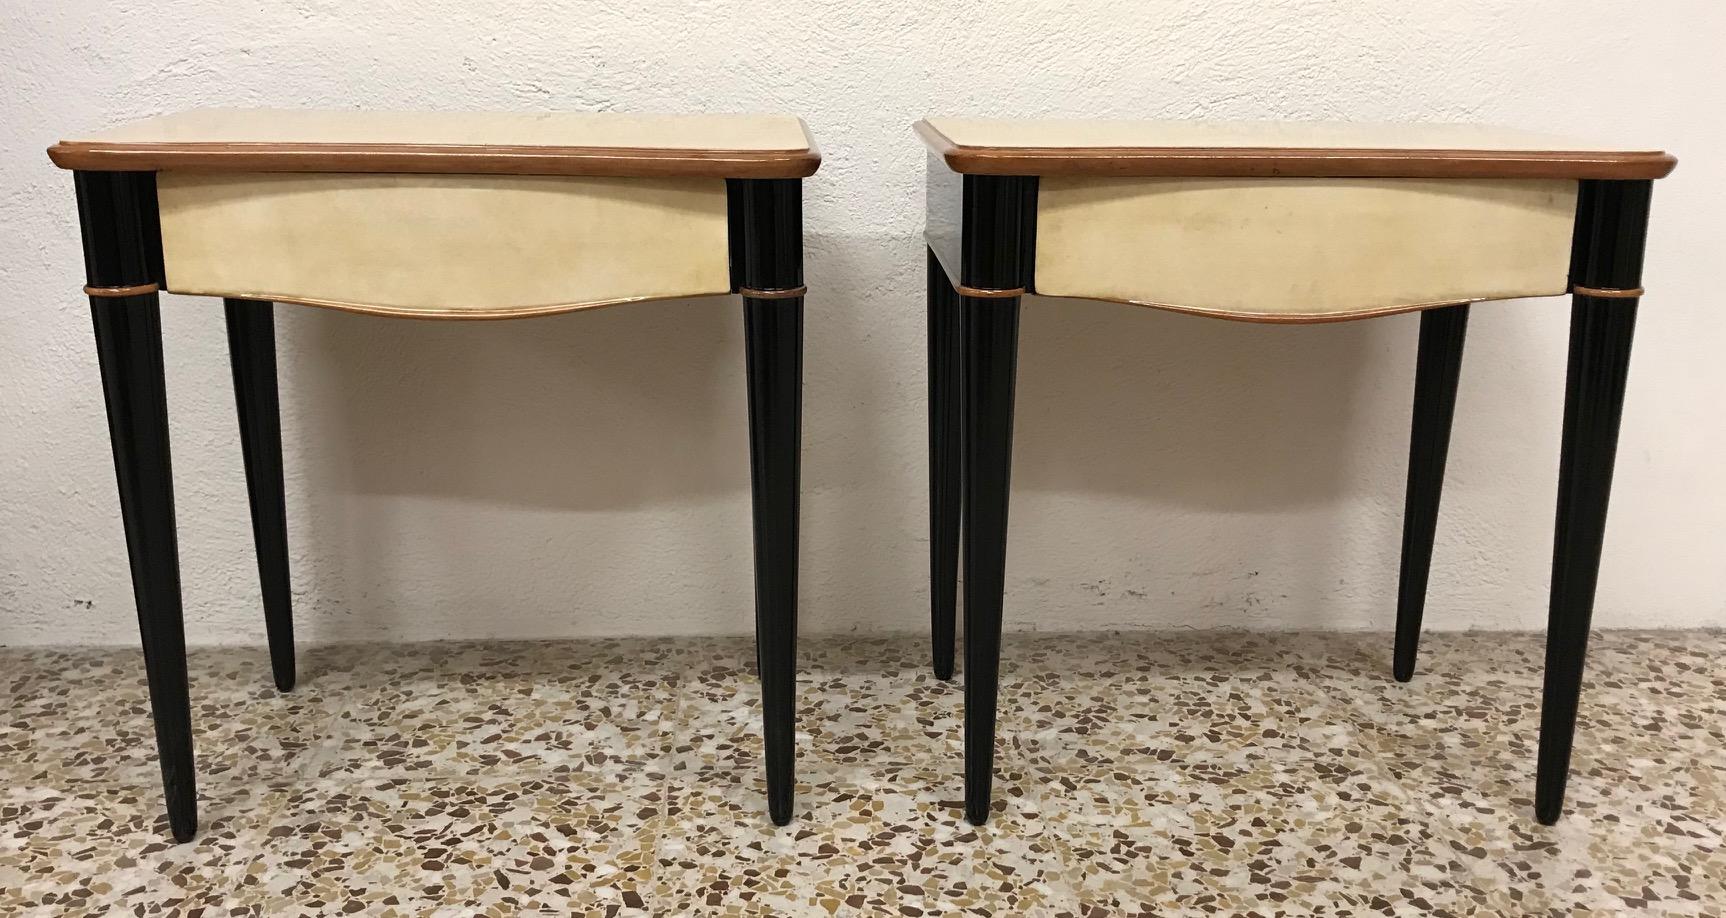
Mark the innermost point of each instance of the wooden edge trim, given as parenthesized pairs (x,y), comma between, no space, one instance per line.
(783,293)
(988,294)
(114,292)
(814,149)
(1289,318)
(429,158)
(933,139)
(1607,293)
(403,312)
(1291,162)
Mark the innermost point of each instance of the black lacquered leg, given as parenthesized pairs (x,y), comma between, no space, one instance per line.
(1611,221)
(990,330)
(774,329)
(121,250)
(252,350)
(945,373)
(769,213)
(1436,372)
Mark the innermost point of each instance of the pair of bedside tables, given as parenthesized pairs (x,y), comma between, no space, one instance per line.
(490,216)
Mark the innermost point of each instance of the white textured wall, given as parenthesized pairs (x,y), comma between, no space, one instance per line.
(587,474)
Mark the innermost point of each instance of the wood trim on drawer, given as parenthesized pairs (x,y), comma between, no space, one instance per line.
(1289,162)
(1278,318)
(444,246)
(464,315)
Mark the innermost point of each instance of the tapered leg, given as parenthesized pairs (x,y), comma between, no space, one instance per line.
(768,227)
(990,331)
(121,254)
(1437,369)
(944,383)
(774,329)
(1611,221)
(252,350)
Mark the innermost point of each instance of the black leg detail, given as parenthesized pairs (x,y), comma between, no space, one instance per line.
(945,373)
(995,219)
(1436,372)
(121,249)
(769,212)
(1611,223)
(252,350)
(991,342)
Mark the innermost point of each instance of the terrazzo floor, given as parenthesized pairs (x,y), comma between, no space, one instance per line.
(1143,774)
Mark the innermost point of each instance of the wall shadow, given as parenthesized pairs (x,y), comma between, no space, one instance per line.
(1235,448)
(1194,411)
(596,410)
(1161,461)
(590,430)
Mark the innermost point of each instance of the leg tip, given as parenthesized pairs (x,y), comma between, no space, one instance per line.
(1403,668)
(1548,811)
(183,830)
(780,800)
(944,673)
(976,815)
(284,682)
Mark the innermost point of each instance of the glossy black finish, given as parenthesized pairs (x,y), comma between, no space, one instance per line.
(770,217)
(997,240)
(252,351)
(121,228)
(991,333)
(1611,228)
(945,377)
(766,217)
(997,231)
(943,212)
(982,228)
(117,211)
(1437,369)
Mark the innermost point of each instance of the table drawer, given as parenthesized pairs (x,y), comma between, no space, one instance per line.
(446,246)
(1302,249)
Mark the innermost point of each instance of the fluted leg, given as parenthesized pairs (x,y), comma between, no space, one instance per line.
(991,341)
(252,351)
(1437,369)
(1612,218)
(770,214)
(122,259)
(945,375)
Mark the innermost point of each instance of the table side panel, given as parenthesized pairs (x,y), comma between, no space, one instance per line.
(1302,249)
(943,204)
(448,246)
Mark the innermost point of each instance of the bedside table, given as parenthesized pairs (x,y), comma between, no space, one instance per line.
(430,216)
(1284,222)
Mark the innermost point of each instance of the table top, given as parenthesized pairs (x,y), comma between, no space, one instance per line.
(1005,146)
(524,143)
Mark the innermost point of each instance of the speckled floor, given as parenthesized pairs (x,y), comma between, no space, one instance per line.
(1146,774)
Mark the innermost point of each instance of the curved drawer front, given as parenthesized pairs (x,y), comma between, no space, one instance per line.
(452,246)
(1302,249)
